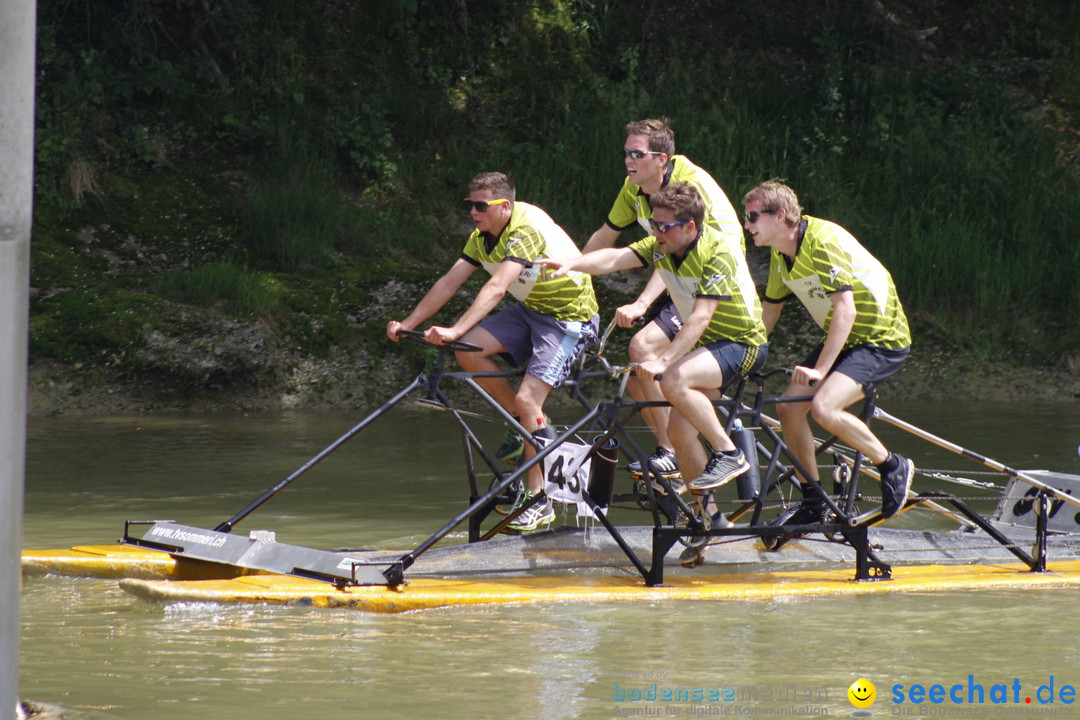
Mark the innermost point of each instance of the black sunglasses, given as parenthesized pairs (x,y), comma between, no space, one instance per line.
(662,228)
(482,205)
(638,154)
(752,216)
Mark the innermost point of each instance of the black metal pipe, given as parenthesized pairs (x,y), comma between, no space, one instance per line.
(406,561)
(229,524)
(617,536)
(983,525)
(988,462)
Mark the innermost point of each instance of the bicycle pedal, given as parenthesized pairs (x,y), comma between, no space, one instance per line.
(670,477)
(692,557)
(774,542)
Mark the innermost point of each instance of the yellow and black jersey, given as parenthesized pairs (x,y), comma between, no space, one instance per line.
(829,259)
(532,234)
(632,205)
(709,269)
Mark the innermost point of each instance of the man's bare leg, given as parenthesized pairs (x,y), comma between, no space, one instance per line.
(647,344)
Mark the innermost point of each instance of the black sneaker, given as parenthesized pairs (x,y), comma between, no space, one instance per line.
(662,462)
(803,514)
(719,470)
(895,486)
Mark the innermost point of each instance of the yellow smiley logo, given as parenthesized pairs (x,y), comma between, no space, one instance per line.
(862,693)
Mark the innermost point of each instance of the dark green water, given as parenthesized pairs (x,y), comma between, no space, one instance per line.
(87,645)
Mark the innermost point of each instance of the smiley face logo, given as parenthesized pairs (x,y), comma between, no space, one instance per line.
(862,693)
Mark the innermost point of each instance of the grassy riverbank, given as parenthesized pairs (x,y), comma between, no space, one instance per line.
(233,197)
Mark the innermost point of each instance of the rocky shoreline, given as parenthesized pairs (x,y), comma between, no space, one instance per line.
(206,363)
(346,384)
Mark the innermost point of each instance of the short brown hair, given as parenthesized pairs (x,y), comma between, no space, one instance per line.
(499,184)
(684,201)
(661,137)
(774,195)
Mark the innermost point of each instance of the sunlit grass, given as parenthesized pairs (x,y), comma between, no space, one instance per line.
(295,216)
(233,289)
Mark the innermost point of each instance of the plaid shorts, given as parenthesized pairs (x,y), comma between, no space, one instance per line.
(549,346)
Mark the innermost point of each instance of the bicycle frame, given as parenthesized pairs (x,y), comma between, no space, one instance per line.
(674,519)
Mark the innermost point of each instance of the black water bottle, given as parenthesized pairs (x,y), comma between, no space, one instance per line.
(602,472)
(749,483)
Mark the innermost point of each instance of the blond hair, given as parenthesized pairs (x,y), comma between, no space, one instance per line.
(775,195)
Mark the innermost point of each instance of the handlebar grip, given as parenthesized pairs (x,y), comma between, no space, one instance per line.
(457,345)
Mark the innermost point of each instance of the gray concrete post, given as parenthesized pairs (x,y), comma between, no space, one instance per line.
(18,26)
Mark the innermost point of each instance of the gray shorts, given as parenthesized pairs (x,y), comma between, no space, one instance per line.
(868,365)
(550,346)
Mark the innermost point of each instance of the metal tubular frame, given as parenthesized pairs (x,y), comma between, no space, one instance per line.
(608,419)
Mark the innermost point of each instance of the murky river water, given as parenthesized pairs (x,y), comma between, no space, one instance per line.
(87,645)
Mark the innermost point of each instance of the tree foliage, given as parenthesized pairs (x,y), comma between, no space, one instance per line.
(931,130)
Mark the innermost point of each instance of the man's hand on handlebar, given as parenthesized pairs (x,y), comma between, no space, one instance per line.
(650,370)
(437,335)
(627,315)
(806,376)
(393,328)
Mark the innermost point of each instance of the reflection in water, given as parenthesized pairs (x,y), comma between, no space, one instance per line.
(87,645)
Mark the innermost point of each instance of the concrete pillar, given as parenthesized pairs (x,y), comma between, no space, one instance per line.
(18,21)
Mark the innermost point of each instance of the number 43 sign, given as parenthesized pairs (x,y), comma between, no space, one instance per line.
(566,474)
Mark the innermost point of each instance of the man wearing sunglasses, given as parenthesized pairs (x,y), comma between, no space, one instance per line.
(651,165)
(851,295)
(721,338)
(555,320)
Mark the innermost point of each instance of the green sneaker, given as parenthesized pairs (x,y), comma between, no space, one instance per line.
(512,447)
(542,513)
(514,444)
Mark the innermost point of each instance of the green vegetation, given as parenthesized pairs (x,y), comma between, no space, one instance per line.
(234,289)
(278,162)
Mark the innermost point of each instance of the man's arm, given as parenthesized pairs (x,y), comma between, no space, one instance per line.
(605,237)
(840,324)
(486,300)
(443,289)
(627,314)
(600,262)
(684,340)
(770,314)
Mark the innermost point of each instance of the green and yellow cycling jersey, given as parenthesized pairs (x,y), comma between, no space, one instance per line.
(829,259)
(532,234)
(709,269)
(632,205)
